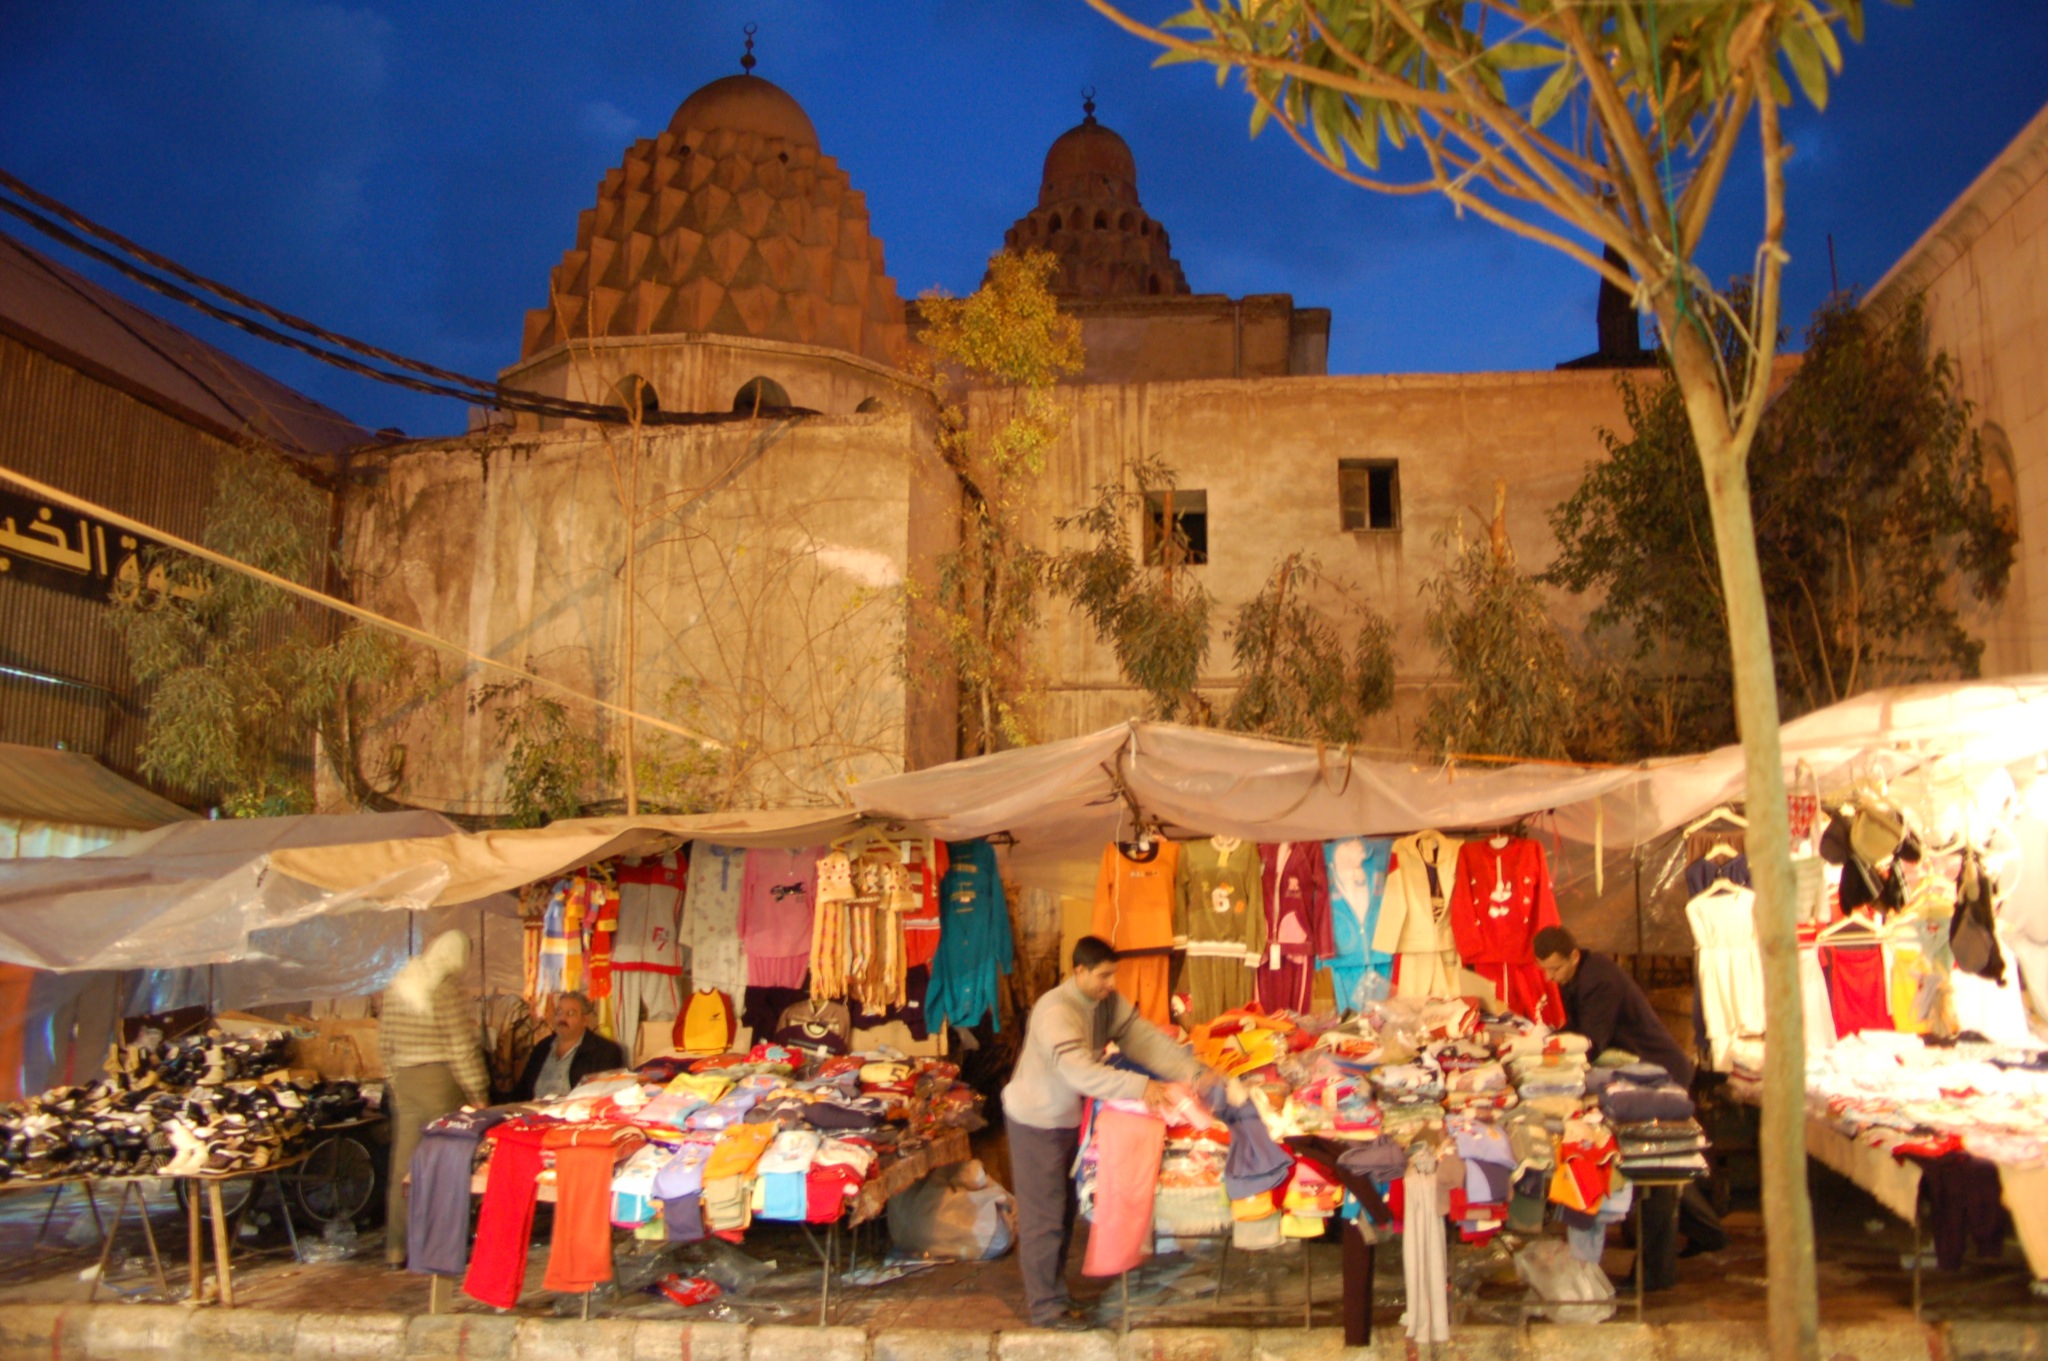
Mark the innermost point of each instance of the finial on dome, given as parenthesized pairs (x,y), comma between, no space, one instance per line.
(747,58)
(1088,104)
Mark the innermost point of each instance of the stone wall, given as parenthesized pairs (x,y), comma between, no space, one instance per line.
(1267,454)
(1983,268)
(771,561)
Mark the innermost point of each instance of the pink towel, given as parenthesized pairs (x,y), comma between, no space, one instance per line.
(1127,1152)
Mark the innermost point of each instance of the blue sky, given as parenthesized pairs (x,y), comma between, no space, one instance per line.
(408,173)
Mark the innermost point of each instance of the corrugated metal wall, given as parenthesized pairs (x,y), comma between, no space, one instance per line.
(65,428)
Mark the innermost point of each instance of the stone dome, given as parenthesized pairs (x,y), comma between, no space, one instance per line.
(746,103)
(1089,216)
(730,222)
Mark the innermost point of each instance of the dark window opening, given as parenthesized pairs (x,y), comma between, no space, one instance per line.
(1189,539)
(1053,225)
(1102,222)
(1152,283)
(1369,493)
(1145,229)
(760,394)
(636,395)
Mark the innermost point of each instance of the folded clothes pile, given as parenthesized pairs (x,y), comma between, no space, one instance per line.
(1659,1149)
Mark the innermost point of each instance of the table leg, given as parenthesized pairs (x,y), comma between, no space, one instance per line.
(92,1203)
(107,1242)
(197,1255)
(284,1208)
(1916,1268)
(1642,1241)
(437,1294)
(56,1194)
(1308,1294)
(156,1260)
(223,1267)
(1123,1322)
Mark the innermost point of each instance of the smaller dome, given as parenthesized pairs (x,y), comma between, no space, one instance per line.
(746,104)
(1090,162)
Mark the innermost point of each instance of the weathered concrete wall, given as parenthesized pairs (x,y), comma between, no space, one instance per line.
(771,563)
(1983,268)
(1267,455)
(1177,339)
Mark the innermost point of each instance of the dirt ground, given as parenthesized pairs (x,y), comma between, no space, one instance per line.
(1862,1276)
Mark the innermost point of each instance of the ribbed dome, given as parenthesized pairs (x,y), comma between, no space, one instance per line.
(729,222)
(1089,162)
(746,104)
(1088,215)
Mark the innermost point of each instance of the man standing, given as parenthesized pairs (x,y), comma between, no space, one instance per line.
(1604,1004)
(1060,1064)
(562,1060)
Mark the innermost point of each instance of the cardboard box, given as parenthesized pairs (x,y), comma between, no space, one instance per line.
(340,1048)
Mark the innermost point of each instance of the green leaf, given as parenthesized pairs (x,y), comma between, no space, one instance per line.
(1261,111)
(1512,56)
(1803,54)
(1555,91)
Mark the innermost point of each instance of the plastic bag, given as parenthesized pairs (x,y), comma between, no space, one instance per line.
(957,1214)
(1581,1291)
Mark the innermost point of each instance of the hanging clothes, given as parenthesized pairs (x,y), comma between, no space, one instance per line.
(1857,990)
(1415,916)
(1219,921)
(1729,968)
(929,861)
(975,946)
(1134,906)
(1128,1148)
(711,918)
(777,899)
(1500,898)
(1711,869)
(580,1248)
(1357,869)
(504,1222)
(647,958)
(1424,1260)
(1294,887)
(1818,1013)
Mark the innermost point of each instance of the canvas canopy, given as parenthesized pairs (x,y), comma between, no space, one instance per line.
(192,893)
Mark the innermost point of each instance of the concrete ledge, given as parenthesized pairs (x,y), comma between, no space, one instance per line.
(144,1332)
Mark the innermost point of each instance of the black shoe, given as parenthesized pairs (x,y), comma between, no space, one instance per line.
(1064,1323)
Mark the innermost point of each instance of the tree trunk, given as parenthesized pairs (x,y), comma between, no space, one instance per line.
(1792,1293)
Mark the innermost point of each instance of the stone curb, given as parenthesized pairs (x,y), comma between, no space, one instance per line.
(146,1332)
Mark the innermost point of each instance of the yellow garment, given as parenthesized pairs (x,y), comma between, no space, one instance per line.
(1905,985)
(739,1148)
(1249,1208)
(710,1086)
(1300,1226)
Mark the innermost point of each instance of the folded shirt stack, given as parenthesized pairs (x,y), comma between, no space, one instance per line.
(1643,1092)
(1656,1149)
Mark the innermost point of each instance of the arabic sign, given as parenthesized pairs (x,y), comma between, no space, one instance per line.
(73,553)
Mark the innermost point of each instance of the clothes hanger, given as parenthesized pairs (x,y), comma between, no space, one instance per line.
(1720,850)
(1853,924)
(1719,889)
(1721,814)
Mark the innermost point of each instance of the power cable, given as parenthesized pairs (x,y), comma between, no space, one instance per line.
(82,506)
(481,394)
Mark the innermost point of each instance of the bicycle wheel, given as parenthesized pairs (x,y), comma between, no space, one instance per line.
(336,1182)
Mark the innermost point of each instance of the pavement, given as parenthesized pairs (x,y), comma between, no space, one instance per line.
(1179,1309)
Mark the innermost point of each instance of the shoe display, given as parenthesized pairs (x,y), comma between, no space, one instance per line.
(205,1102)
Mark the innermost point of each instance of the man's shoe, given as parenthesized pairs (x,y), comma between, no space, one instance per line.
(1064,1323)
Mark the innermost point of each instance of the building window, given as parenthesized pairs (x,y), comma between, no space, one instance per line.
(1189,538)
(1369,493)
(760,394)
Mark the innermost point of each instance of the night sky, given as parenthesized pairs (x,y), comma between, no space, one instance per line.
(408,173)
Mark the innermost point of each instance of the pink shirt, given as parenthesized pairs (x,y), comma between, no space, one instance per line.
(777,893)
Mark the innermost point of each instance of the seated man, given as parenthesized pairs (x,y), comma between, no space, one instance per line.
(1604,1004)
(562,1060)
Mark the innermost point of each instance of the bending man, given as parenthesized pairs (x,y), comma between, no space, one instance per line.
(1061,1063)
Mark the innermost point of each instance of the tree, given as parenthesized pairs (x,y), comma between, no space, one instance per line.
(1513,688)
(552,762)
(240,676)
(1008,338)
(1297,676)
(1587,126)
(1156,624)
(1876,525)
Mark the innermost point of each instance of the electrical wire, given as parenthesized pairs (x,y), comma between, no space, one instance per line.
(82,506)
(474,391)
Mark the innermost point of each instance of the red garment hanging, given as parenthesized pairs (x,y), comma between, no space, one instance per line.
(1500,898)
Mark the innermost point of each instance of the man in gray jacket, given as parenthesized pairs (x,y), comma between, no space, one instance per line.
(1060,1065)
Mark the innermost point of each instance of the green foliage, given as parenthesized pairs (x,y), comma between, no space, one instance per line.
(1297,677)
(1513,684)
(241,676)
(1877,529)
(1007,336)
(1348,72)
(1156,621)
(551,764)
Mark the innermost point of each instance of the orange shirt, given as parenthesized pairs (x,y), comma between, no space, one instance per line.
(1134,898)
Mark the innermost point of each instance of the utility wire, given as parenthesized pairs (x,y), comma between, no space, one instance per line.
(474,391)
(82,506)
